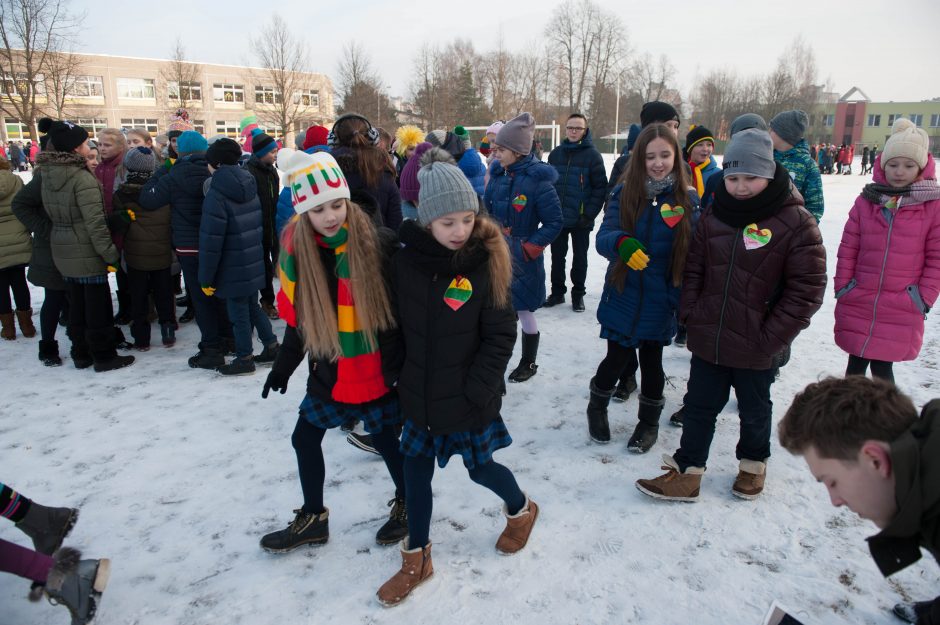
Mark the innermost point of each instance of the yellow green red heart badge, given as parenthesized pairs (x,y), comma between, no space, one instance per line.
(671,214)
(756,237)
(458,292)
(519,202)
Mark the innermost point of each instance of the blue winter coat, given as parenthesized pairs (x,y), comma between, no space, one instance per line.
(473,168)
(536,218)
(582,180)
(231,256)
(646,308)
(180,187)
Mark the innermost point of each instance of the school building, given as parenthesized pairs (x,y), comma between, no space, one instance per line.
(855,119)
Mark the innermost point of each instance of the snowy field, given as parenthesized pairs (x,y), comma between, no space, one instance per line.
(179,472)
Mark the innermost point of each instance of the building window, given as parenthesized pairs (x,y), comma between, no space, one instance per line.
(16,130)
(226,128)
(874,120)
(307,97)
(893,118)
(150,125)
(136,88)
(185,91)
(829,120)
(273,130)
(20,85)
(935,120)
(267,95)
(918,119)
(199,126)
(88,87)
(93,125)
(228,92)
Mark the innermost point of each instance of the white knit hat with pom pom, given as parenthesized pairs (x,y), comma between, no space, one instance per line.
(908,141)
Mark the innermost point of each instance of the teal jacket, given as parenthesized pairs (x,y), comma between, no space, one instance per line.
(805,176)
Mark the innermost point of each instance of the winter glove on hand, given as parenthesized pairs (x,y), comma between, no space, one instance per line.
(208,290)
(276,382)
(633,253)
(585,223)
(531,251)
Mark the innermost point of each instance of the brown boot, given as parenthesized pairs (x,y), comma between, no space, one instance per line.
(750,481)
(518,528)
(416,567)
(8,330)
(25,318)
(674,485)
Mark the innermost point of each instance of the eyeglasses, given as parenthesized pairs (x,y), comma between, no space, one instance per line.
(575,127)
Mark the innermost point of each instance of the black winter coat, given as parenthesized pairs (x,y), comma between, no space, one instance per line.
(322,372)
(269,187)
(452,376)
(28,208)
(147,239)
(181,187)
(385,194)
(582,181)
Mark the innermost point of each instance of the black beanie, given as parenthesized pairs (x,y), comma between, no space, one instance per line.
(697,134)
(261,144)
(657,111)
(65,136)
(225,151)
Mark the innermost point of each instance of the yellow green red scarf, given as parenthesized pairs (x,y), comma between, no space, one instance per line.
(697,178)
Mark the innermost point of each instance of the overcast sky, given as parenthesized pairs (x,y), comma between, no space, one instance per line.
(888,49)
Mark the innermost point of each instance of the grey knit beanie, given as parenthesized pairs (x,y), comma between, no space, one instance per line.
(790,125)
(140,159)
(748,120)
(436,137)
(750,153)
(517,134)
(444,188)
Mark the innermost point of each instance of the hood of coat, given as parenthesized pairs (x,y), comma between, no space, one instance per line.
(929,173)
(432,257)
(190,173)
(234,183)
(59,167)
(9,183)
(586,142)
(529,166)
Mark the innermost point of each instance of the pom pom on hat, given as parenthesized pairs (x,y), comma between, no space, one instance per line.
(908,141)
(313,179)
(408,137)
(179,123)
(463,135)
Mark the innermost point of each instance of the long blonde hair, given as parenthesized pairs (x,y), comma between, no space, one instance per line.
(316,310)
(490,235)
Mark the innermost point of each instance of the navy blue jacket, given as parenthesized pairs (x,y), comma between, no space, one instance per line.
(523,200)
(473,168)
(231,257)
(646,309)
(180,187)
(582,180)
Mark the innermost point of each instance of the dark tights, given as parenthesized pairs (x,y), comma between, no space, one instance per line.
(13,279)
(620,358)
(879,368)
(52,305)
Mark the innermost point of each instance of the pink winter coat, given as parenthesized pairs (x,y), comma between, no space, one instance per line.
(887,276)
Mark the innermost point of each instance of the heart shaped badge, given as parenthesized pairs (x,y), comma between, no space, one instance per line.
(672,215)
(458,292)
(755,237)
(519,202)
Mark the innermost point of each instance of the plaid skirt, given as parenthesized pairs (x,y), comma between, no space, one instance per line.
(626,341)
(476,448)
(330,414)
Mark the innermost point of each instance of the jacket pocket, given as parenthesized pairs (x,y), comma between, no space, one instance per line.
(848,287)
(914,292)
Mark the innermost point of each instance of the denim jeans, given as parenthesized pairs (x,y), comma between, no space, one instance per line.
(210,311)
(246,314)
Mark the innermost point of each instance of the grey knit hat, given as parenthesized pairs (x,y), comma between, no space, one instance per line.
(517,134)
(748,120)
(140,159)
(750,153)
(436,137)
(444,188)
(790,125)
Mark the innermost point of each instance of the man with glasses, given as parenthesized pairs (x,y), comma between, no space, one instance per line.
(581,186)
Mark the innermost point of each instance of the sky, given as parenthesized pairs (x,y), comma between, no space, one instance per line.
(889,54)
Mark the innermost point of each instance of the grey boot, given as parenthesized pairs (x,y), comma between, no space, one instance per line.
(77,584)
(647,429)
(598,427)
(47,527)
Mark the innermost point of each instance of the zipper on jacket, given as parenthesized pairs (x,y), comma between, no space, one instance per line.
(428,354)
(565,185)
(881,279)
(724,296)
(639,303)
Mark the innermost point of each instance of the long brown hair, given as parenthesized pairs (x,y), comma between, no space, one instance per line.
(316,312)
(490,235)
(372,162)
(633,199)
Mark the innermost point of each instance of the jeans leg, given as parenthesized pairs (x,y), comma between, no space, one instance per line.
(419,471)
(559,252)
(206,310)
(708,391)
(238,312)
(755,410)
(261,323)
(580,242)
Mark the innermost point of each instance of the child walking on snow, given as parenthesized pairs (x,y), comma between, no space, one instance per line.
(888,272)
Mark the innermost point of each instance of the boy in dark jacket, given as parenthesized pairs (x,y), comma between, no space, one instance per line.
(754,276)
(792,151)
(261,166)
(231,263)
(863,440)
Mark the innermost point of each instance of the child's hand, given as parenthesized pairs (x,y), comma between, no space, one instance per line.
(208,290)
(274,382)
(633,253)
(531,251)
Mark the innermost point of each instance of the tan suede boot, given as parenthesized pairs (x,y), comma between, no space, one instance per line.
(518,528)
(674,485)
(416,567)
(25,318)
(750,481)
(8,330)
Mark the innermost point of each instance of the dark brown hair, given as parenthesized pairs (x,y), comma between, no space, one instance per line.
(837,415)
(633,199)
(371,161)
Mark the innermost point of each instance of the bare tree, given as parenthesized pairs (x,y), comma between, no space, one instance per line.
(651,78)
(496,76)
(62,70)
(181,78)
(31,33)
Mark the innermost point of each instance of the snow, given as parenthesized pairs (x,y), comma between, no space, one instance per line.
(179,472)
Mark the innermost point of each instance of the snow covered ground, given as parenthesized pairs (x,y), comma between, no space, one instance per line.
(178,473)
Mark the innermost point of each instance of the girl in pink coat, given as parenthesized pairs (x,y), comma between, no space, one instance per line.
(888,270)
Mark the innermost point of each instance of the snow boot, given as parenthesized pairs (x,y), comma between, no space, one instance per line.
(306,529)
(238,366)
(269,309)
(362,441)
(396,528)
(518,527)
(115,362)
(750,481)
(527,367)
(188,315)
(416,568)
(25,319)
(674,485)
(913,612)
(625,387)
(577,303)
(268,354)
(49,353)
(207,358)
(47,527)
(598,427)
(81,357)
(8,330)
(77,584)
(168,333)
(647,429)
(554,300)
(677,417)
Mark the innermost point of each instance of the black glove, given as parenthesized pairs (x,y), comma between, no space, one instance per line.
(585,223)
(276,382)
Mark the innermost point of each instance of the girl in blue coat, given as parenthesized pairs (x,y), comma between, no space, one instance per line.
(521,196)
(645,236)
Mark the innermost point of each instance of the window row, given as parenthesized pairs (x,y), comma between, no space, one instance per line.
(917,118)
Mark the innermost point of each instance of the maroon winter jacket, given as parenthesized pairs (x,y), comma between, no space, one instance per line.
(745,296)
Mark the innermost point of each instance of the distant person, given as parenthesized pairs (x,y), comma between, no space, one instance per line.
(791,151)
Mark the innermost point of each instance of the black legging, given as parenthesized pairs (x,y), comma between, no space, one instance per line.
(620,358)
(879,368)
(306,440)
(52,305)
(13,279)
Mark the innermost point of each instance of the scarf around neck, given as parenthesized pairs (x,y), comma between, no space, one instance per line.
(741,213)
(896,197)
(655,187)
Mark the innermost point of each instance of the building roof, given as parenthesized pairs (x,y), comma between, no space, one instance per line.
(847,97)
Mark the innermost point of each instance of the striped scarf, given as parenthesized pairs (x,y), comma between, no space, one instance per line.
(359,376)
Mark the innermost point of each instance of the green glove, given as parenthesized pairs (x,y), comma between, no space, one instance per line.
(633,253)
